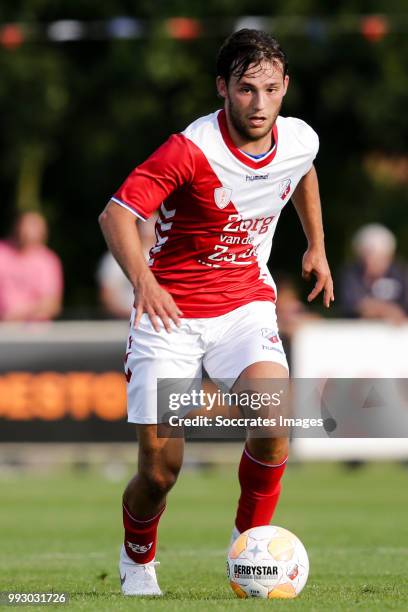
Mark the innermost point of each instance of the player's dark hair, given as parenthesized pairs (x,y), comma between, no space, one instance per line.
(247,47)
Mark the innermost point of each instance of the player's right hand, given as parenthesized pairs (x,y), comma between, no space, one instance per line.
(152,299)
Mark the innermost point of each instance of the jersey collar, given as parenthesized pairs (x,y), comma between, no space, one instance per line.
(252,163)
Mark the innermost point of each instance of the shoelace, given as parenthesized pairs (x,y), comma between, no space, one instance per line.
(151,564)
(145,566)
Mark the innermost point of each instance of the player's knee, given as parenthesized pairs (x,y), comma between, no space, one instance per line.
(271,450)
(158,471)
(158,482)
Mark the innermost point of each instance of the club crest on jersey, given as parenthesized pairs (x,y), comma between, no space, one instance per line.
(284,188)
(222,196)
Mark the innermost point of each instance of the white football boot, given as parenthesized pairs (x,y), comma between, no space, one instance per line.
(137,578)
(234,535)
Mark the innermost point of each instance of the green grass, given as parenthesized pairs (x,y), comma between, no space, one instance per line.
(62,532)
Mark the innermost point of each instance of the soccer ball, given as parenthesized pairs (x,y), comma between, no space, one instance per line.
(268,562)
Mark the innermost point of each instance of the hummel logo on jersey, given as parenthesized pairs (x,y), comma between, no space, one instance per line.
(122,580)
(256,177)
(222,196)
(139,548)
(284,188)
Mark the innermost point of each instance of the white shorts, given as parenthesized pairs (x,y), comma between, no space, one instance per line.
(224,345)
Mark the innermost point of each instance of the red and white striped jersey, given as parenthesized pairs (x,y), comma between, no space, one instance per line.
(218,210)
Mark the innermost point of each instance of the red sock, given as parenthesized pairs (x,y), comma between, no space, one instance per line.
(140,536)
(260,489)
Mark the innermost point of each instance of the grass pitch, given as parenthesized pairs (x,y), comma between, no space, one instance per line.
(63,531)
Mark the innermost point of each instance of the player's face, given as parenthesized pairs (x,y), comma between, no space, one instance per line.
(253,101)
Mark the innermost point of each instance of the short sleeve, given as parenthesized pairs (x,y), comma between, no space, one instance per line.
(307,139)
(166,170)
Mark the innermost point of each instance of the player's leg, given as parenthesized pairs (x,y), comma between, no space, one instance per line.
(151,356)
(144,501)
(263,460)
(248,348)
(159,463)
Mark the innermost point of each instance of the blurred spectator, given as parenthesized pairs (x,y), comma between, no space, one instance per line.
(115,290)
(375,286)
(31,279)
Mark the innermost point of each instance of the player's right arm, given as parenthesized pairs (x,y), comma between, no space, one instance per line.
(170,167)
(119,228)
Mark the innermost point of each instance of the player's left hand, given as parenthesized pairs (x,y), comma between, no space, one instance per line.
(314,263)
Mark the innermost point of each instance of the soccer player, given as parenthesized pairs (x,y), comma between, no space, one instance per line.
(206,297)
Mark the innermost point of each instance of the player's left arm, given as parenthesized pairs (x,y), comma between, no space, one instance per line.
(306,200)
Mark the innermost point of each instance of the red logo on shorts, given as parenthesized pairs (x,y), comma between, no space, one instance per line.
(271,335)
(128,371)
